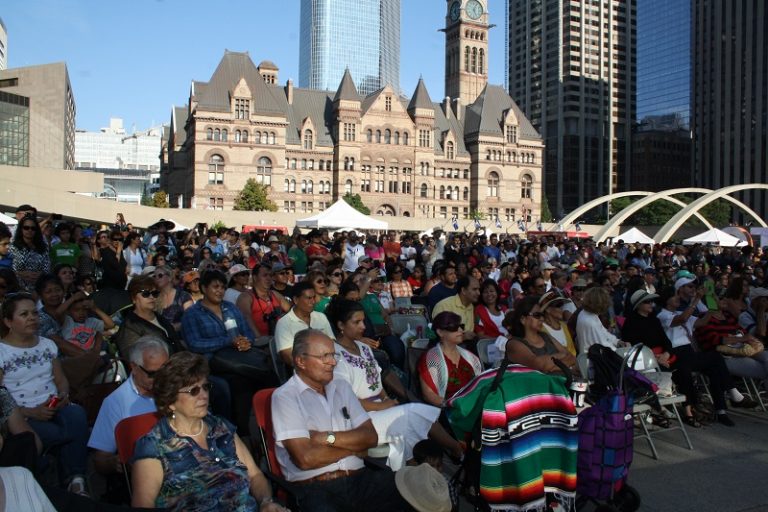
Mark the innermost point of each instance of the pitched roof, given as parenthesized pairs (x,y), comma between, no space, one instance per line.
(347,90)
(486,114)
(444,124)
(420,97)
(180,123)
(234,66)
(307,103)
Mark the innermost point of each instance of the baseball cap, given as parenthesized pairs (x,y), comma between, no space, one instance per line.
(236,269)
(683,281)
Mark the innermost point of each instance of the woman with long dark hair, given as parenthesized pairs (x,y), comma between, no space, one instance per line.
(30,253)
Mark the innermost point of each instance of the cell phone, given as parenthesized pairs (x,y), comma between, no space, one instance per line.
(53,402)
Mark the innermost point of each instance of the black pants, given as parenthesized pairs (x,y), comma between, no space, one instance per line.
(369,490)
(710,364)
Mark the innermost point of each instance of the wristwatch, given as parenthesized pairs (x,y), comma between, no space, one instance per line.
(330,438)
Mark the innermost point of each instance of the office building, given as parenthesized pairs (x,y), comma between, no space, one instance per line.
(361,35)
(730,96)
(409,157)
(14,129)
(3,45)
(571,69)
(51,106)
(130,162)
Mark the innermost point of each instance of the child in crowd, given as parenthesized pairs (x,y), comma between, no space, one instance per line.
(6,260)
(83,330)
(430,452)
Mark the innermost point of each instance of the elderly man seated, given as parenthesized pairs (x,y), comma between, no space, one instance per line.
(322,431)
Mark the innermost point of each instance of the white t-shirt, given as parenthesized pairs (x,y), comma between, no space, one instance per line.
(351,256)
(677,335)
(28,372)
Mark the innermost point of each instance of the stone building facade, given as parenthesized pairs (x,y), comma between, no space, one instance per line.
(407,157)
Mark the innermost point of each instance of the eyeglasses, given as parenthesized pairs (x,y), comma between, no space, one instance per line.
(160,275)
(147,293)
(322,281)
(195,390)
(454,328)
(330,357)
(28,227)
(150,374)
(117,239)
(337,274)
(536,314)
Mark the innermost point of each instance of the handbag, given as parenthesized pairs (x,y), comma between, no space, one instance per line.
(746,349)
(252,364)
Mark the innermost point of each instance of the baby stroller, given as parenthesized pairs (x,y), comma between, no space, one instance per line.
(524,438)
(606,432)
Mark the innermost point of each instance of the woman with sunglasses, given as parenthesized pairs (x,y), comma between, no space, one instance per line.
(446,367)
(142,319)
(32,372)
(335,276)
(172,301)
(108,252)
(320,284)
(529,345)
(402,426)
(192,460)
(30,253)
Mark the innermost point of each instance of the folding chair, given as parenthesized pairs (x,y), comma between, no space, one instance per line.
(127,432)
(488,353)
(413,355)
(400,323)
(277,363)
(262,411)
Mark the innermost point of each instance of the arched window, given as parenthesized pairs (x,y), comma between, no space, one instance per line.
(369,136)
(397,137)
(310,187)
(351,164)
(293,186)
(442,192)
(245,136)
(286,185)
(493,184)
(272,138)
(405,138)
(481,62)
(257,137)
(237,135)
(209,134)
(465,195)
(348,187)
(307,139)
(466,58)
(526,187)
(303,186)
(224,135)
(217,134)
(216,170)
(303,163)
(456,193)
(474,60)
(378,136)
(264,171)
(449,150)
(424,190)
(387,137)
(346,163)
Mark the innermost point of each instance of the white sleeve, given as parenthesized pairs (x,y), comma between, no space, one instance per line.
(287,420)
(283,339)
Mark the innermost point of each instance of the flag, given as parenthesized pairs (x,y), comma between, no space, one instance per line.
(520,225)
(498,222)
(477,224)
(578,226)
(539,226)
(455,223)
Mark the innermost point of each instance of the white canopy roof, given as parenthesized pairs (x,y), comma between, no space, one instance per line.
(341,215)
(635,236)
(179,227)
(714,237)
(8,221)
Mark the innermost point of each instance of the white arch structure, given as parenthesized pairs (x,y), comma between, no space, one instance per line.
(572,217)
(673,224)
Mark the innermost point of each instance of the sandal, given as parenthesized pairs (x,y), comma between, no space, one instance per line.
(660,420)
(691,421)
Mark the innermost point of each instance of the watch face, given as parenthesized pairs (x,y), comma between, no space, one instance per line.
(474,9)
(455,11)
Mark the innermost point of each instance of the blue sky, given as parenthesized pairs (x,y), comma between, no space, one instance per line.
(134,59)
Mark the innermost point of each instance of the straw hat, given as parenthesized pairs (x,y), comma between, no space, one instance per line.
(424,488)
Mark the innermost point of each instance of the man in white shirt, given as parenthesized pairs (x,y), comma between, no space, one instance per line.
(352,253)
(321,432)
(301,316)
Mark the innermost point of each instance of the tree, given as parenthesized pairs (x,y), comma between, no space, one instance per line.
(356,202)
(546,214)
(253,198)
(159,199)
(477,215)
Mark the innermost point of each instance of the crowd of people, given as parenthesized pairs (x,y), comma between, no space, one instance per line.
(196,316)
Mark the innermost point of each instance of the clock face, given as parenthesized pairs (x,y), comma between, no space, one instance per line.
(455,11)
(474,9)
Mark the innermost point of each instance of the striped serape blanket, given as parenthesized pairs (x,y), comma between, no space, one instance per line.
(529,438)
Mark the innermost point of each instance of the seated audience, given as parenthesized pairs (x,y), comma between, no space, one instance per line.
(301,316)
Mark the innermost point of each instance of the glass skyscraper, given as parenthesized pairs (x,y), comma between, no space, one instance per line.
(362,35)
(664,64)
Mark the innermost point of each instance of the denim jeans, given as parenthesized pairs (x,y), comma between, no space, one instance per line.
(755,367)
(69,430)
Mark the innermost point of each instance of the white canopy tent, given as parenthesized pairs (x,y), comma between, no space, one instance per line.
(341,215)
(8,221)
(179,227)
(635,236)
(714,236)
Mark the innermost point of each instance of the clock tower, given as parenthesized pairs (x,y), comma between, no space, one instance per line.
(466,49)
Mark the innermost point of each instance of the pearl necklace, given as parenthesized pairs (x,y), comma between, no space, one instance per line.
(179,431)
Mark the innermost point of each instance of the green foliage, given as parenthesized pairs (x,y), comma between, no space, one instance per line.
(477,215)
(218,226)
(146,199)
(159,199)
(253,198)
(546,214)
(356,202)
(718,212)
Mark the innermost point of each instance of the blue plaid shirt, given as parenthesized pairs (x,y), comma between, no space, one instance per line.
(205,333)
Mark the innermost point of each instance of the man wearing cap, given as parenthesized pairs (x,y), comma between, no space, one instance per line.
(352,251)
(316,251)
(686,291)
(301,316)
(275,255)
(649,278)
(463,304)
(321,431)
(215,244)
(546,273)
(280,280)
(238,276)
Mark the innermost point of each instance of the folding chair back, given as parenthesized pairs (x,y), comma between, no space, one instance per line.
(414,354)
(277,363)
(400,323)
(127,432)
(262,410)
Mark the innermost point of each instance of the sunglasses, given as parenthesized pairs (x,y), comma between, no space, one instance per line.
(537,314)
(149,374)
(117,239)
(147,293)
(322,281)
(454,328)
(337,274)
(195,390)
(29,228)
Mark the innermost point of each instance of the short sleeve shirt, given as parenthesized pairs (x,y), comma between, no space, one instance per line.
(28,372)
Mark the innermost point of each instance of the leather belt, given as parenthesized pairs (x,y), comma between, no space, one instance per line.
(331,475)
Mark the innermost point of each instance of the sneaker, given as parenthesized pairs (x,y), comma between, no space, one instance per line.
(77,486)
(746,403)
(726,420)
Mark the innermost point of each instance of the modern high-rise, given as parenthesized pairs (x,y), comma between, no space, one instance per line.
(730,96)
(664,63)
(572,71)
(130,162)
(361,35)
(3,45)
